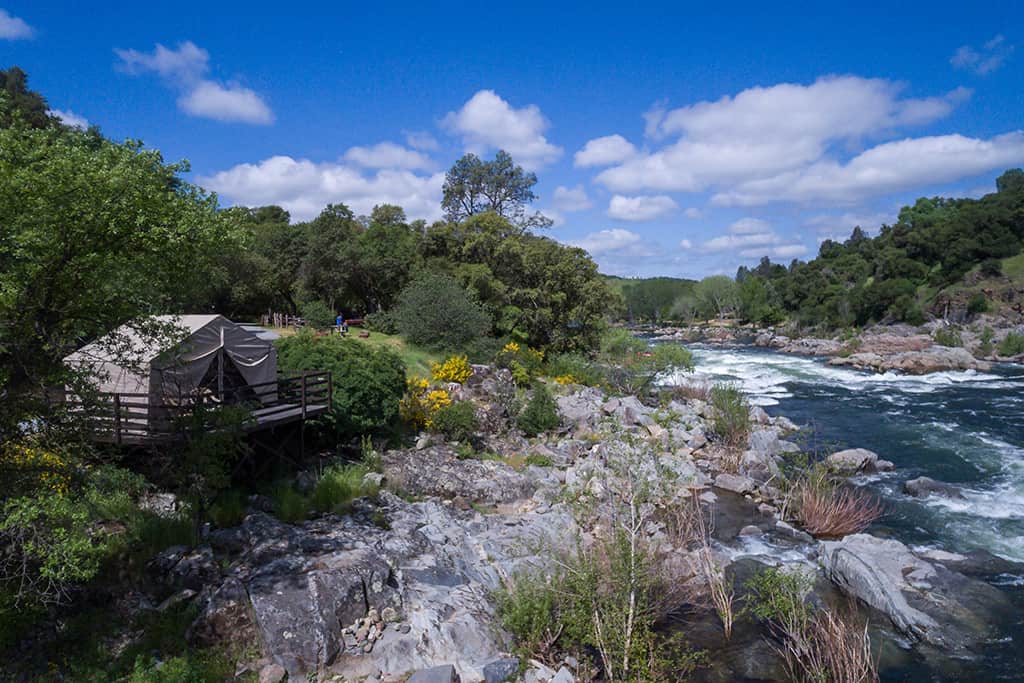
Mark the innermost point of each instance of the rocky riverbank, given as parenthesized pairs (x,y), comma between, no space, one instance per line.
(405,582)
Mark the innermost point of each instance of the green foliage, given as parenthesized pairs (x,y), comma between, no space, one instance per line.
(318,315)
(992,267)
(367,382)
(228,509)
(473,186)
(435,311)
(540,413)
(948,336)
(384,322)
(732,415)
(338,486)
(290,505)
(1012,344)
(18,103)
(579,367)
(985,339)
(979,303)
(538,460)
(652,299)
(779,596)
(457,421)
(631,365)
(717,296)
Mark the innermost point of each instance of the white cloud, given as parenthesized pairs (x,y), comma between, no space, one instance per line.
(889,167)
(487,121)
(605,241)
(765,132)
(184,69)
(421,140)
(685,244)
(839,227)
(304,187)
(780,251)
(388,155)
(70,118)
(571,198)
(752,238)
(14,28)
(610,149)
(747,226)
(640,208)
(693,213)
(985,60)
(226,103)
(730,242)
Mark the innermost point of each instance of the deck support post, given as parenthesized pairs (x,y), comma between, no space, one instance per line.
(117,419)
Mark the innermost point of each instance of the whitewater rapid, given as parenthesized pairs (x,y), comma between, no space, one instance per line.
(966,428)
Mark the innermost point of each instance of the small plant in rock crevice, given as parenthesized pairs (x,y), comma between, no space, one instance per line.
(540,413)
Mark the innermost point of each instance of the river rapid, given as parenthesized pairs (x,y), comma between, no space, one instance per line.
(965,428)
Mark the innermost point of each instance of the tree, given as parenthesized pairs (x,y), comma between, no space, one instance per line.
(716,295)
(18,102)
(473,186)
(435,311)
(95,233)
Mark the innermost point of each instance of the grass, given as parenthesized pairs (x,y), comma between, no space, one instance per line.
(417,361)
(1013,267)
(827,509)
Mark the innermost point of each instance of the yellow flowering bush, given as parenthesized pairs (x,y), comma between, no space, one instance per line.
(455,369)
(524,362)
(34,467)
(421,403)
(566,379)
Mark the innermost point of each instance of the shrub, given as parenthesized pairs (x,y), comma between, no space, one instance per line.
(828,509)
(421,402)
(581,369)
(457,421)
(948,336)
(992,267)
(538,460)
(978,304)
(455,369)
(541,412)
(384,322)
(435,311)
(694,391)
(525,363)
(367,382)
(732,415)
(290,505)
(228,509)
(317,315)
(1012,344)
(482,349)
(338,486)
(985,347)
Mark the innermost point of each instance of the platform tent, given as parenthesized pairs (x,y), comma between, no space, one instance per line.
(203,355)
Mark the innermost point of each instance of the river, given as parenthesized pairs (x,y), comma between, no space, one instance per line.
(966,428)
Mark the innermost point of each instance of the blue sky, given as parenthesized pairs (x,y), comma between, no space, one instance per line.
(675,140)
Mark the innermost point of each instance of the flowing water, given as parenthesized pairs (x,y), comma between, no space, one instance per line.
(965,428)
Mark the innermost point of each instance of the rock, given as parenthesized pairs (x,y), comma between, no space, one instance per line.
(921,362)
(759,416)
(272,673)
(735,483)
(538,673)
(501,670)
(750,530)
(227,617)
(437,471)
(438,674)
(924,601)
(389,615)
(788,529)
(884,465)
(922,487)
(305,482)
(160,504)
(852,461)
(563,676)
(697,440)
(373,480)
(180,567)
(184,595)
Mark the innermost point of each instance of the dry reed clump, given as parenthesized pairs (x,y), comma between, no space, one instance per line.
(831,510)
(693,391)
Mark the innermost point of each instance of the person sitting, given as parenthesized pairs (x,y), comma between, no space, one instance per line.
(340,323)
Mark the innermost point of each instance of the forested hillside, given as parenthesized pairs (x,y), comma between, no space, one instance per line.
(942,257)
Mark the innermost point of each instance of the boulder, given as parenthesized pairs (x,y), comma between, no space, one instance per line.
(437,471)
(227,617)
(437,674)
(925,601)
(501,670)
(852,461)
(922,487)
(735,483)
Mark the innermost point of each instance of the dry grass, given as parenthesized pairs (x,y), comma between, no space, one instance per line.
(829,510)
(698,391)
(832,648)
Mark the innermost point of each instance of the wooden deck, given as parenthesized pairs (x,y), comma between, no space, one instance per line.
(136,419)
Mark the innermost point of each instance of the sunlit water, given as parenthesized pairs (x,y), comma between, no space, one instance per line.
(965,428)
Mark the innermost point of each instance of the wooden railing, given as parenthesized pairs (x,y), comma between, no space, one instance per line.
(138,417)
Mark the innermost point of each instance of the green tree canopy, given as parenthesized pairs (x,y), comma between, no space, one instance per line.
(473,186)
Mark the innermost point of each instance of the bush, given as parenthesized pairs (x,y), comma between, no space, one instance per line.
(581,369)
(228,509)
(1012,344)
(457,421)
(367,382)
(732,415)
(541,412)
(978,304)
(948,336)
(992,267)
(436,312)
(384,322)
(482,349)
(290,505)
(455,369)
(317,315)
(421,403)
(524,363)
(827,509)
(985,347)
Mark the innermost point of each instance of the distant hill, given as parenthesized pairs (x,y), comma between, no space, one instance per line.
(951,258)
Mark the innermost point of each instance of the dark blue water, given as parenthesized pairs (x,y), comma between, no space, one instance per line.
(965,428)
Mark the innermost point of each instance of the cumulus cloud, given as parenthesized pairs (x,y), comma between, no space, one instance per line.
(787,251)
(388,155)
(768,132)
(983,60)
(889,167)
(605,241)
(70,118)
(840,226)
(685,244)
(304,187)
(571,198)
(610,149)
(751,238)
(421,140)
(487,121)
(640,208)
(184,69)
(14,28)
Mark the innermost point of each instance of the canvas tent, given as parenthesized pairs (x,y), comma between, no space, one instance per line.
(169,360)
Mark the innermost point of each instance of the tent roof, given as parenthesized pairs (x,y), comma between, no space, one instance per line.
(128,341)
